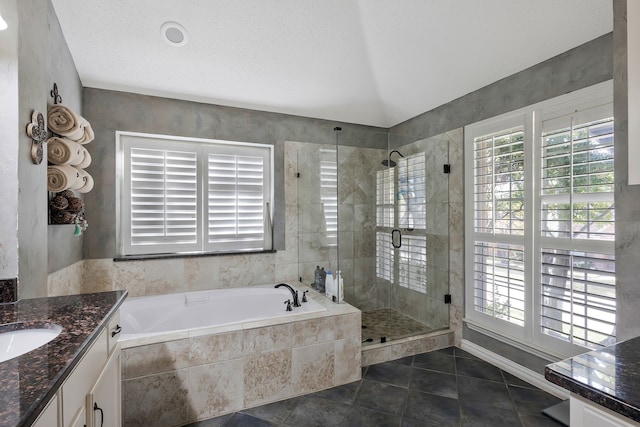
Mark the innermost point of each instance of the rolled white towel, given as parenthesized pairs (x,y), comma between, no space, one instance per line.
(87,179)
(64,121)
(86,159)
(62,177)
(88,135)
(79,180)
(63,151)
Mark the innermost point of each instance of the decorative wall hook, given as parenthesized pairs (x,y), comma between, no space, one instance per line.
(38,133)
(57,99)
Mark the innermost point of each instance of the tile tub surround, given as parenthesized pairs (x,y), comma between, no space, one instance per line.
(182,377)
(28,382)
(609,377)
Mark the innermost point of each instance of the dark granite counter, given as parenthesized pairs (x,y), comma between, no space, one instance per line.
(28,382)
(609,377)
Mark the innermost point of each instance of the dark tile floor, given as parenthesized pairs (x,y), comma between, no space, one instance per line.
(448,387)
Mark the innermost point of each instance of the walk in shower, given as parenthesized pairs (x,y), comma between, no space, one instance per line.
(375,206)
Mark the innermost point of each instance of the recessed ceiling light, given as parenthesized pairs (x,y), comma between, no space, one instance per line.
(174,34)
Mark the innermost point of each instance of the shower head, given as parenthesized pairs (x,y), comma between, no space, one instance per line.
(390,163)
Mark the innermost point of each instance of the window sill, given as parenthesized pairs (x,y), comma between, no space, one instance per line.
(187,255)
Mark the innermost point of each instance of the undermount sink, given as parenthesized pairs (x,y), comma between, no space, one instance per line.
(17,339)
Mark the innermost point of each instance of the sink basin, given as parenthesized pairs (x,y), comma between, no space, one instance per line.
(17,339)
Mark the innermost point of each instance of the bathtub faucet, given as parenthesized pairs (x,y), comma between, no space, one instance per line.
(294,294)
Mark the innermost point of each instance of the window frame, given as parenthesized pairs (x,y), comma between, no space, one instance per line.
(202,147)
(530,118)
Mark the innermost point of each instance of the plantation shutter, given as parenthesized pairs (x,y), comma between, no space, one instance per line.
(185,195)
(498,225)
(329,194)
(412,264)
(237,192)
(385,217)
(577,264)
(163,201)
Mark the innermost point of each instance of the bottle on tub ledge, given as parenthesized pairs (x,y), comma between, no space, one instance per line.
(339,287)
(334,286)
(328,285)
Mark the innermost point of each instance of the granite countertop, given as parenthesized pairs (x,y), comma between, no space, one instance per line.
(609,377)
(28,382)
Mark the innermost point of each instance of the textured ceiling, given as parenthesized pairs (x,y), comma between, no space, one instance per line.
(374,62)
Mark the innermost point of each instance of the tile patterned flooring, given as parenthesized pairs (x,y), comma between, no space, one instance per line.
(389,323)
(448,387)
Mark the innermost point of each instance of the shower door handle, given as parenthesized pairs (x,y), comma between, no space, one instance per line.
(396,236)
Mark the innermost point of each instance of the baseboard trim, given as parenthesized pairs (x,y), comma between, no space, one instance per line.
(515,369)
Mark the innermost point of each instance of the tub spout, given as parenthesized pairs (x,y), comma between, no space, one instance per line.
(294,294)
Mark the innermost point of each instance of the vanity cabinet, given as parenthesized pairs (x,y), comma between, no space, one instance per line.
(91,394)
(585,413)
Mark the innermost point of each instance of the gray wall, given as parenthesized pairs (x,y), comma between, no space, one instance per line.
(64,248)
(42,57)
(110,111)
(577,68)
(627,197)
(580,67)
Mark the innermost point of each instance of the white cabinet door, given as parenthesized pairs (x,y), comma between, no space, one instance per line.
(48,417)
(103,401)
(80,420)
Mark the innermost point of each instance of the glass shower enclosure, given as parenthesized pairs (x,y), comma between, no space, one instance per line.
(374,206)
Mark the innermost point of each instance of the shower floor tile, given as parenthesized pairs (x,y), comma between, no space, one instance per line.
(408,392)
(389,323)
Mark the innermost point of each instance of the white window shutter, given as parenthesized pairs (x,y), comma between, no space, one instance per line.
(186,195)
(236,201)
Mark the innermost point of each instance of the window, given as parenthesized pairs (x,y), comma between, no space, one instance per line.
(185,195)
(402,259)
(329,193)
(540,223)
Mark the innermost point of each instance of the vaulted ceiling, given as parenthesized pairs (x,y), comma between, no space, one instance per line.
(374,62)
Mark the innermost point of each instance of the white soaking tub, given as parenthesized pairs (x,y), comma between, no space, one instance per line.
(148,316)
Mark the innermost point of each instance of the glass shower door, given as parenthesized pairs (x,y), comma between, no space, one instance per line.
(412,241)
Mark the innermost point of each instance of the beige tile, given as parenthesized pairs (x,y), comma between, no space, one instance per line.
(271,338)
(314,331)
(312,368)
(215,389)
(347,361)
(215,348)
(267,377)
(349,326)
(157,400)
(98,275)
(234,271)
(201,273)
(164,276)
(155,358)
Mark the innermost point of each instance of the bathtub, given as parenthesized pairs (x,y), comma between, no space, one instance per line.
(190,357)
(190,311)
